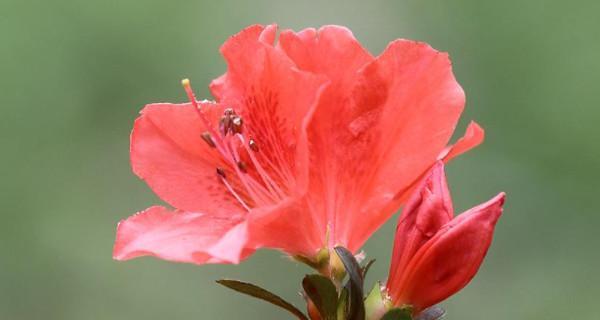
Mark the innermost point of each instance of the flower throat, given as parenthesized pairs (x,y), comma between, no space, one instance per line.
(253,186)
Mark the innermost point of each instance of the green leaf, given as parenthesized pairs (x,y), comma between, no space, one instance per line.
(397,314)
(260,293)
(431,313)
(323,294)
(366,268)
(356,307)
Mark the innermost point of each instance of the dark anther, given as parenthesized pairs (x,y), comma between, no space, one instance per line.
(252,144)
(228,112)
(236,124)
(208,139)
(242,165)
(230,122)
(225,125)
(221,172)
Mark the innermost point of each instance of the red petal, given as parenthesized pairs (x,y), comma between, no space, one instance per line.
(332,51)
(167,151)
(181,236)
(402,113)
(252,33)
(426,212)
(471,139)
(447,262)
(275,99)
(216,86)
(288,227)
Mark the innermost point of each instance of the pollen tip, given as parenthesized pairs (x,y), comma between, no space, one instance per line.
(208,139)
(221,172)
(185,83)
(253,146)
(242,166)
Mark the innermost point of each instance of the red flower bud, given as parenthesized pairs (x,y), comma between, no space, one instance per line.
(434,254)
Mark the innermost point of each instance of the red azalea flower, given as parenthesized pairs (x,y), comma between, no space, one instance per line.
(312,142)
(435,255)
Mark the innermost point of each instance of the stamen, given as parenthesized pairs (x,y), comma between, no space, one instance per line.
(225,125)
(252,144)
(207,138)
(271,185)
(185,83)
(243,166)
(230,122)
(261,191)
(255,189)
(236,124)
(283,173)
(190,93)
(221,172)
(230,188)
(228,112)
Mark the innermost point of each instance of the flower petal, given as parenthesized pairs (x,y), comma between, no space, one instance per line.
(253,33)
(428,209)
(472,138)
(275,99)
(181,236)
(167,151)
(447,262)
(287,227)
(402,112)
(332,51)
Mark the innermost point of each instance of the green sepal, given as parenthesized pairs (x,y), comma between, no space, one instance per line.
(322,292)
(355,307)
(375,303)
(342,307)
(260,293)
(319,262)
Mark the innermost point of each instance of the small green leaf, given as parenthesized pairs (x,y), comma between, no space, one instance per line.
(397,314)
(323,294)
(375,305)
(260,293)
(431,313)
(356,307)
(366,268)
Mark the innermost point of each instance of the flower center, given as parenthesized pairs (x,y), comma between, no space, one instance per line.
(243,175)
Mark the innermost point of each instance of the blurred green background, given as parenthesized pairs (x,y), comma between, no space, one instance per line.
(74,75)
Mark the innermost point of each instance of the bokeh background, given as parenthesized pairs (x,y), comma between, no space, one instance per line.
(74,74)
